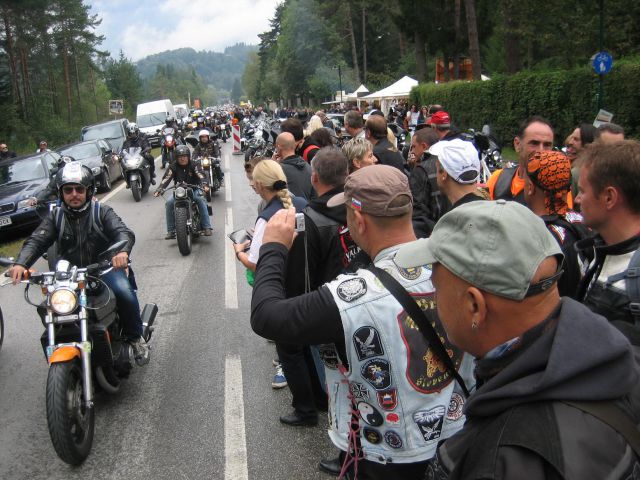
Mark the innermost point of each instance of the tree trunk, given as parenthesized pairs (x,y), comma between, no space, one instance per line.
(456,53)
(26,86)
(67,80)
(15,90)
(511,38)
(92,80)
(421,57)
(445,62)
(364,43)
(474,45)
(77,71)
(352,38)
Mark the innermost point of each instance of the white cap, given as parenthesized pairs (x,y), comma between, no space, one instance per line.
(459,159)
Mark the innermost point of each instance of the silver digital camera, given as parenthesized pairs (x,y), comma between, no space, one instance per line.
(299,222)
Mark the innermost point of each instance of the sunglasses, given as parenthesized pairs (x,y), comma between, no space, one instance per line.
(68,190)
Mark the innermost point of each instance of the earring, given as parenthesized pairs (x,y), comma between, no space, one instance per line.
(474,326)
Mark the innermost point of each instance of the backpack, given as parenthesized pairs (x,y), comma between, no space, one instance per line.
(95,222)
(437,204)
(631,277)
(502,189)
(309,149)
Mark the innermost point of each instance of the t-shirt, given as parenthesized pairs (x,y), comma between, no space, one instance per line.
(256,241)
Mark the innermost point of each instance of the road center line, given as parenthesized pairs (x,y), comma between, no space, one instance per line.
(235,442)
(230,284)
(113,192)
(227,187)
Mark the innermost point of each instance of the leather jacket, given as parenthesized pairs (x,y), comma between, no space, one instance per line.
(80,242)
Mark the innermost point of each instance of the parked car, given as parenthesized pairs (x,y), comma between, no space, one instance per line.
(23,182)
(98,156)
(115,132)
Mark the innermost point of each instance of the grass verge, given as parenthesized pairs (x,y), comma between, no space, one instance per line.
(11,248)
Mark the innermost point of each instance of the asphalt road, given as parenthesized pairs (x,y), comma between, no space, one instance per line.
(204,407)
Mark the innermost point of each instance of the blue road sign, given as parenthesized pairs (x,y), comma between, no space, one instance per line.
(602,62)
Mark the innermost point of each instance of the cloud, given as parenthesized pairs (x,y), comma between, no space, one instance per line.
(155,26)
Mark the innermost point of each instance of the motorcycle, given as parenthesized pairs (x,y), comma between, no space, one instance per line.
(135,170)
(187,216)
(489,152)
(213,173)
(168,145)
(83,345)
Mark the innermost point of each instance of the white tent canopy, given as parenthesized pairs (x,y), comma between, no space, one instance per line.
(352,97)
(395,91)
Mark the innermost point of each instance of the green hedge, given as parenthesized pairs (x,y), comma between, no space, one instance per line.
(566,98)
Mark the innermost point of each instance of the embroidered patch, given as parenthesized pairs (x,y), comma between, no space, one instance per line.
(430,422)
(352,289)
(425,371)
(359,391)
(393,418)
(329,355)
(355,203)
(367,343)
(369,414)
(371,435)
(388,399)
(376,372)
(454,412)
(393,439)
(411,273)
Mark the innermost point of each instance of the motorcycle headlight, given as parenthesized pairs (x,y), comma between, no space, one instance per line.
(181,192)
(96,170)
(496,156)
(27,202)
(63,301)
(205,162)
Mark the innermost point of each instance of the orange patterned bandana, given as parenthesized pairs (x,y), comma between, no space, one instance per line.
(551,172)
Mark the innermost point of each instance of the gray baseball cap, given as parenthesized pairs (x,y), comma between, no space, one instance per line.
(495,246)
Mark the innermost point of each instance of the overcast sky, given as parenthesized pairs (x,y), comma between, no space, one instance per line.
(144,27)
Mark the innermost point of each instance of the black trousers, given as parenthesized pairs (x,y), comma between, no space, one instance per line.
(368,470)
(302,378)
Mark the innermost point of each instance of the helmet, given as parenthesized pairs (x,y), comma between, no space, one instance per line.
(170,120)
(183,151)
(64,159)
(204,133)
(133,130)
(77,174)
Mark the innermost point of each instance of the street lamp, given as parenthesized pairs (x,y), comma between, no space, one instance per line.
(340,80)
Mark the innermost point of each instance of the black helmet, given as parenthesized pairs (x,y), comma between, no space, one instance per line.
(170,119)
(132,130)
(77,174)
(183,151)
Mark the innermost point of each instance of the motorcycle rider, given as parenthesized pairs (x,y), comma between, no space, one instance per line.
(183,171)
(137,139)
(208,148)
(171,122)
(81,227)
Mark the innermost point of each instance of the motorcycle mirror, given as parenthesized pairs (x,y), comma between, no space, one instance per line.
(112,249)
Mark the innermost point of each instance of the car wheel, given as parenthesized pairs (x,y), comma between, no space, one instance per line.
(106,181)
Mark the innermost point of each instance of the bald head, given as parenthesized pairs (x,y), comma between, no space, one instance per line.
(286,145)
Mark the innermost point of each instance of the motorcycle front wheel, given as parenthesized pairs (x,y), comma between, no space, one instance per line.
(71,422)
(136,191)
(183,232)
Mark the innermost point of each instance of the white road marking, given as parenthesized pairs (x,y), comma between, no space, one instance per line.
(227,166)
(113,192)
(227,187)
(235,442)
(230,284)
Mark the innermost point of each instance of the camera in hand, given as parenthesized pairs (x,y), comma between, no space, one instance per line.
(299,222)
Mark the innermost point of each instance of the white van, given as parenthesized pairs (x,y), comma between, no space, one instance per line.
(151,117)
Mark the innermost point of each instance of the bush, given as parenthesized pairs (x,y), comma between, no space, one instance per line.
(566,98)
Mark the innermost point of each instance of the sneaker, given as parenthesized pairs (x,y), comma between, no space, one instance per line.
(278,379)
(276,362)
(141,352)
(170,236)
(208,232)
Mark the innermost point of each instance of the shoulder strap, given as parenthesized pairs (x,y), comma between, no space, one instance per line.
(609,413)
(96,221)
(418,316)
(59,223)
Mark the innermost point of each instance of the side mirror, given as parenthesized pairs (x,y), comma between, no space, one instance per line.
(112,249)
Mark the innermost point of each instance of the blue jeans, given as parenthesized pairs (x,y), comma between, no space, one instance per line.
(127,303)
(202,207)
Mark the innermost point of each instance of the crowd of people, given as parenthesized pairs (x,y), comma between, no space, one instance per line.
(453,329)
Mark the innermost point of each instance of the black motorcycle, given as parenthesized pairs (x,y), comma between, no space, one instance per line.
(489,152)
(213,172)
(136,171)
(170,140)
(187,216)
(82,344)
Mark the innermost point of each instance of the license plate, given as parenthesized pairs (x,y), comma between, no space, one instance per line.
(5,221)
(62,318)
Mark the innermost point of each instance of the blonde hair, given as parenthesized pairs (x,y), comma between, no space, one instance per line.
(315,123)
(356,149)
(267,173)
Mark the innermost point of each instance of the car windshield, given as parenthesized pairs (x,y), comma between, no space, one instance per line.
(80,152)
(151,119)
(22,170)
(110,130)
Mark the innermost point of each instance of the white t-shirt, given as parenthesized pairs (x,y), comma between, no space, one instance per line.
(256,241)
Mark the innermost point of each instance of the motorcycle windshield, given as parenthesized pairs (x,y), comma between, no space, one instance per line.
(131,153)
